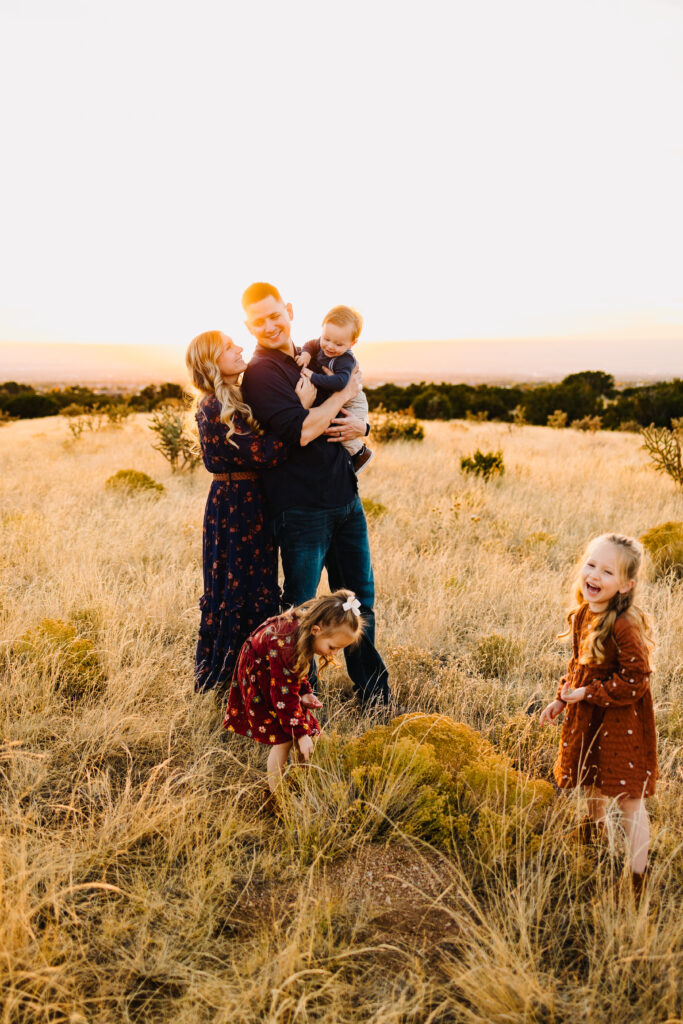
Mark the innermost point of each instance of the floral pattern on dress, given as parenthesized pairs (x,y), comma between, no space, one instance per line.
(265,696)
(240,561)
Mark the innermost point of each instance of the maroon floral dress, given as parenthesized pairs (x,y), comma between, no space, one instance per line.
(265,696)
(240,561)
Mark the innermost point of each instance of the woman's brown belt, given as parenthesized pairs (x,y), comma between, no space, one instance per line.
(236,476)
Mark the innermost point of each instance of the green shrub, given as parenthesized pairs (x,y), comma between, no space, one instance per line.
(442,782)
(396,426)
(519,416)
(665,451)
(177,445)
(557,420)
(59,651)
(484,464)
(591,423)
(664,545)
(116,412)
(130,481)
(373,509)
(496,656)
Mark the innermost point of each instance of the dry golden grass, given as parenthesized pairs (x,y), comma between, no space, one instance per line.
(140,879)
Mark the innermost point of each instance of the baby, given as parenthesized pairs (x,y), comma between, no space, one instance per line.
(331,365)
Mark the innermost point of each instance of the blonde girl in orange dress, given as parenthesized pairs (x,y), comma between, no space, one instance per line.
(608,743)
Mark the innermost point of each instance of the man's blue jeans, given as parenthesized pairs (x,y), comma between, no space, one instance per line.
(336,538)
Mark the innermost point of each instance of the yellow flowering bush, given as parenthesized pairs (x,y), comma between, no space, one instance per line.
(57,650)
(664,545)
(442,782)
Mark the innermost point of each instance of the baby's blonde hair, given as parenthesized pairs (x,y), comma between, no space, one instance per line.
(201,360)
(345,316)
(629,553)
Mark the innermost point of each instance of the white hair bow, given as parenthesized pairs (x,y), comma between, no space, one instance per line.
(352,604)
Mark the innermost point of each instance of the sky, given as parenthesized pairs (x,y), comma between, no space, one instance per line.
(453,169)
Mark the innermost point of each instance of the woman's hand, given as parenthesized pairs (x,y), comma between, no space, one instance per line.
(309,700)
(550,714)
(305,744)
(306,392)
(570,696)
(345,427)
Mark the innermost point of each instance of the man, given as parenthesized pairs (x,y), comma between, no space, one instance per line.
(313,498)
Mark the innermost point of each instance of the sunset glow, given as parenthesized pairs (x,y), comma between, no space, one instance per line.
(457,170)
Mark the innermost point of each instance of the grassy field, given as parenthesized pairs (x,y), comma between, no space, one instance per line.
(141,879)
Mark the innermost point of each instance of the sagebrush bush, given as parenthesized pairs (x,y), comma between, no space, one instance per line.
(174,440)
(441,781)
(483,464)
(557,420)
(132,481)
(496,656)
(591,423)
(395,426)
(57,650)
(664,545)
(373,509)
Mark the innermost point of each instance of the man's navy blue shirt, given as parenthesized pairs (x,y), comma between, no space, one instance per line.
(317,475)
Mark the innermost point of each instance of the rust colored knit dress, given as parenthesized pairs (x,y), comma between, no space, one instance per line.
(608,739)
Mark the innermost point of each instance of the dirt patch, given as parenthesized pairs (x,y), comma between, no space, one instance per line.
(403,888)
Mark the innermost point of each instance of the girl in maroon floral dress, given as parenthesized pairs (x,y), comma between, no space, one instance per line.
(240,565)
(271,698)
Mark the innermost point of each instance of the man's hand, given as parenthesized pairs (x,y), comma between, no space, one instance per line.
(305,744)
(345,427)
(551,712)
(303,359)
(309,700)
(570,696)
(306,392)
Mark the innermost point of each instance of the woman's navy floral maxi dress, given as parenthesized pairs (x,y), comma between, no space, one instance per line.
(240,561)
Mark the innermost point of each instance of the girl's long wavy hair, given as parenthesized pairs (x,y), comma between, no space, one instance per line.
(328,613)
(629,562)
(201,360)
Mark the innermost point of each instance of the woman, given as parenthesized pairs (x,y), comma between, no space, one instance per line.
(240,562)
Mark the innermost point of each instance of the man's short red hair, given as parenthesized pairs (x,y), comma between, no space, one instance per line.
(258,291)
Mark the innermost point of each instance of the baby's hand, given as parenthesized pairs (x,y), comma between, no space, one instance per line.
(309,700)
(573,696)
(303,359)
(306,373)
(550,714)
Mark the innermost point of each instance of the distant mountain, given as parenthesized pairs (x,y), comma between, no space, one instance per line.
(515,360)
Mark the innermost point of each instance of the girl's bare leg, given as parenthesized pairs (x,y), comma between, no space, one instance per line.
(277,761)
(597,804)
(637,829)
